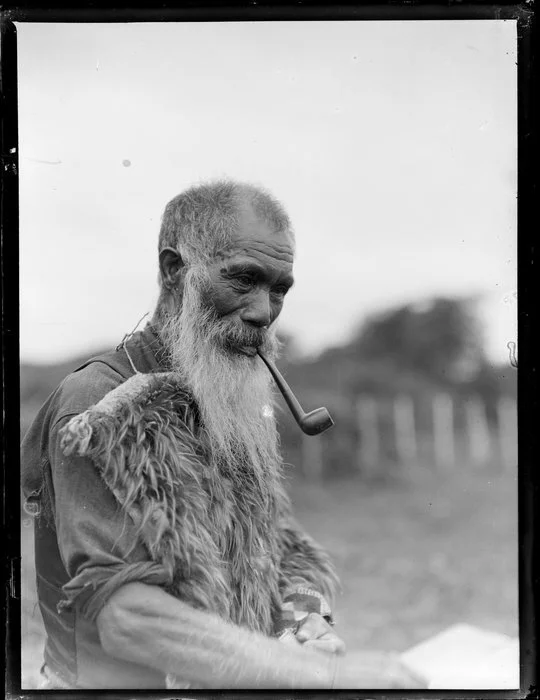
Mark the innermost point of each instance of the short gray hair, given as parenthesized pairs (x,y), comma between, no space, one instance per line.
(201,220)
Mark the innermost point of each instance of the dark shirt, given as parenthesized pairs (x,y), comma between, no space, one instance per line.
(82,539)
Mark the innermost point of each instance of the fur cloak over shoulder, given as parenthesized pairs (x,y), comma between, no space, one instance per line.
(228,543)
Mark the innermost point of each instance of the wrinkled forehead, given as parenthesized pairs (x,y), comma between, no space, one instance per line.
(258,238)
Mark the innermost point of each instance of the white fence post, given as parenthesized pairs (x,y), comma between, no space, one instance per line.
(443,430)
(507,430)
(312,458)
(478,431)
(368,434)
(405,430)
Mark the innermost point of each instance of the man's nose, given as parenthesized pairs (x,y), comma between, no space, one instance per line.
(257,312)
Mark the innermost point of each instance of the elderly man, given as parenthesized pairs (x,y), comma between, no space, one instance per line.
(166,553)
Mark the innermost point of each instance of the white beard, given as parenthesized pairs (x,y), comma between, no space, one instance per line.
(233,391)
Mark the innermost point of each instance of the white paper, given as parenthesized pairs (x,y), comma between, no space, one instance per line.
(464,656)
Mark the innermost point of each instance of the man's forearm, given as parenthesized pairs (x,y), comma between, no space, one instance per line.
(146,625)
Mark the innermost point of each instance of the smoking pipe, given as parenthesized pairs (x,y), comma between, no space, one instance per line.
(312,423)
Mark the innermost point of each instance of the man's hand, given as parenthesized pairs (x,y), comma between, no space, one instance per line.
(315,633)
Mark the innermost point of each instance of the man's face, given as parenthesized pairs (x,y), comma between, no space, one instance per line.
(250,278)
(225,308)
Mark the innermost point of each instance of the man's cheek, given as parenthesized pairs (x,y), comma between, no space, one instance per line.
(225,302)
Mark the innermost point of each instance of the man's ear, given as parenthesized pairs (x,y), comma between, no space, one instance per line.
(171,267)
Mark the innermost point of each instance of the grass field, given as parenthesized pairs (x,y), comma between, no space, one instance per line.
(415,555)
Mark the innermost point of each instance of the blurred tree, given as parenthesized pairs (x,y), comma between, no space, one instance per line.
(439,339)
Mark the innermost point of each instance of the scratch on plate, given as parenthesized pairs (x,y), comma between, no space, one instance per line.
(45,162)
(512,348)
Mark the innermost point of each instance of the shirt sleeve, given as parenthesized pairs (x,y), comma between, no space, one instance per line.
(96,539)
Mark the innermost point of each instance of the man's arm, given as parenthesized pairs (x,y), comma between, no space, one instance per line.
(146,625)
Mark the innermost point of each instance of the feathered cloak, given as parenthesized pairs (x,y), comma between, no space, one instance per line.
(228,542)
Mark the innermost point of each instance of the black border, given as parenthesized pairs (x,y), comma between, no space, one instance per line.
(9,207)
(528,187)
(261,10)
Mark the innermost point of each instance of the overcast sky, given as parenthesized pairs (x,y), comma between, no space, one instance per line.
(392,145)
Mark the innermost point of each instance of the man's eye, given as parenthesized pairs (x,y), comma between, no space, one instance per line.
(280,291)
(244,281)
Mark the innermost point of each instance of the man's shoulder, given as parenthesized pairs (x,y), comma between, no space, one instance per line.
(101,374)
(87,386)
(77,392)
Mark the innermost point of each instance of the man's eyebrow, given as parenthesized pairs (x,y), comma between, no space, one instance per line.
(288,280)
(246,266)
(253,268)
